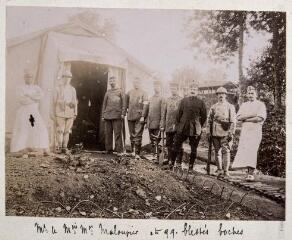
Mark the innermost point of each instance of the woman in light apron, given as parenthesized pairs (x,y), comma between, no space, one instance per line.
(252,114)
(29,132)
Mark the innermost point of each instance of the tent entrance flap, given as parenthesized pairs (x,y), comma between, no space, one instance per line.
(90,82)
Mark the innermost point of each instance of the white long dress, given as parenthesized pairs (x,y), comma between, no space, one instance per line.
(29,129)
(250,136)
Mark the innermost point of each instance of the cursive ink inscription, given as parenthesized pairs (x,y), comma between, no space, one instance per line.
(194,231)
(41,228)
(116,231)
(227,231)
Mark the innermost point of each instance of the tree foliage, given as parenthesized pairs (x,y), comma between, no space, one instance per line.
(269,71)
(220,30)
(260,75)
(221,33)
(272,151)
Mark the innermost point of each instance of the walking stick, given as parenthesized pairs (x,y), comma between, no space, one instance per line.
(123,136)
(157,144)
(161,157)
(210,143)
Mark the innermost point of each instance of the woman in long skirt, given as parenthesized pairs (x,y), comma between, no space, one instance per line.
(29,131)
(252,114)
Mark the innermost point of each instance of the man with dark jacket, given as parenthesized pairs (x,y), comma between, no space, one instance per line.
(156,103)
(191,116)
(137,105)
(168,120)
(113,111)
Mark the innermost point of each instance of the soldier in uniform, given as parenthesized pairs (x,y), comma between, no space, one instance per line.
(169,120)
(65,106)
(113,112)
(156,103)
(137,105)
(191,116)
(222,115)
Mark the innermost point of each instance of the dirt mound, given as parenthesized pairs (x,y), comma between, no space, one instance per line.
(99,185)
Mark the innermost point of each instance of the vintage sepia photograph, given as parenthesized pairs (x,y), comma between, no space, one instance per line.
(145,113)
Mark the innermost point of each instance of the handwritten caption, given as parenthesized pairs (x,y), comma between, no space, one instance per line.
(178,232)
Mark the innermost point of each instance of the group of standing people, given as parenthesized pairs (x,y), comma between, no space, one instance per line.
(186,118)
(222,116)
(179,118)
(29,131)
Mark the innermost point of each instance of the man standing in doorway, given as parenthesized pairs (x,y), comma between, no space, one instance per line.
(154,118)
(168,124)
(113,112)
(191,116)
(222,115)
(65,105)
(137,105)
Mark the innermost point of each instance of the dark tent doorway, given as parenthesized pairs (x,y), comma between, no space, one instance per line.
(90,82)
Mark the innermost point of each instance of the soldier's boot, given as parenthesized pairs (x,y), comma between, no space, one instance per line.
(191,164)
(58,150)
(132,150)
(226,162)
(178,162)
(137,151)
(153,151)
(192,160)
(172,158)
(65,150)
(170,164)
(218,157)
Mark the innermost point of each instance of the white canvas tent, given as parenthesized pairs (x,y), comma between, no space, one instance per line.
(51,50)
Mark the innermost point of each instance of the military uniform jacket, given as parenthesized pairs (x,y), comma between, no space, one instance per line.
(169,113)
(155,112)
(65,101)
(114,104)
(191,116)
(137,104)
(221,112)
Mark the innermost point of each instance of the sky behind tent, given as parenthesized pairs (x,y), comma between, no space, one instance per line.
(155,37)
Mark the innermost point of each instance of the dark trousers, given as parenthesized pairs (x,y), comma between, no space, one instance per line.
(222,152)
(136,129)
(154,136)
(113,125)
(179,138)
(169,145)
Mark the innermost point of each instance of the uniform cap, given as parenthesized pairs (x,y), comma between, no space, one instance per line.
(156,83)
(250,88)
(28,73)
(137,79)
(67,74)
(173,84)
(221,90)
(112,77)
(194,84)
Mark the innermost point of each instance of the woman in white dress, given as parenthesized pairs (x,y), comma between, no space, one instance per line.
(29,131)
(252,114)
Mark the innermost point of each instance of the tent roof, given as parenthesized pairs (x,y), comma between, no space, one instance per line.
(87,30)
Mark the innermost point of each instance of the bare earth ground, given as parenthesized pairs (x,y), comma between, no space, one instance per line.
(98,185)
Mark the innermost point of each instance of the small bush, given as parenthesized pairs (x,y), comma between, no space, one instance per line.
(272,151)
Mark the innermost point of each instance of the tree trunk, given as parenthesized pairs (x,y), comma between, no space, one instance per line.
(276,60)
(240,55)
